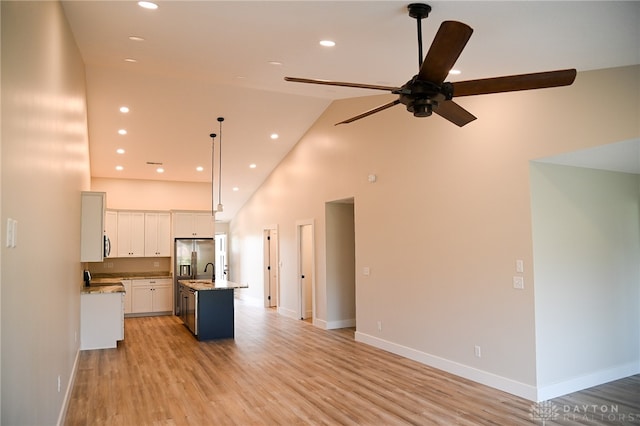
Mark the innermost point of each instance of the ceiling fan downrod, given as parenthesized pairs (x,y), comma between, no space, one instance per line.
(419,11)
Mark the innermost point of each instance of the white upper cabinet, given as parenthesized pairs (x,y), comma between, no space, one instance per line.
(130,234)
(193,225)
(157,234)
(92,226)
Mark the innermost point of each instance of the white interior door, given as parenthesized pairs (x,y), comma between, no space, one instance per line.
(271,272)
(305,256)
(222,268)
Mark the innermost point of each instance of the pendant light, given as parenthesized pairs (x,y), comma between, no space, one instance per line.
(219,207)
(213,150)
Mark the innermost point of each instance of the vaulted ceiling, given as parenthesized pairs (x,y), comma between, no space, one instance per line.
(181,66)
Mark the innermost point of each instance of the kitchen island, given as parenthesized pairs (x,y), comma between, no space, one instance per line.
(206,308)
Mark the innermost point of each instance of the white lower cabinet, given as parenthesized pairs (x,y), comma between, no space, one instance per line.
(151,296)
(101,320)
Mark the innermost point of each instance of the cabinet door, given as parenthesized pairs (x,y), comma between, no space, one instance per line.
(183,225)
(203,225)
(164,234)
(141,297)
(157,234)
(162,298)
(111,231)
(92,227)
(127,296)
(130,234)
(150,234)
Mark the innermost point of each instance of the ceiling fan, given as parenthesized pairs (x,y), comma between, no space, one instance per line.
(427,92)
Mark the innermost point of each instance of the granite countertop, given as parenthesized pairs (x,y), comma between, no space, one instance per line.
(208,285)
(104,285)
(131,275)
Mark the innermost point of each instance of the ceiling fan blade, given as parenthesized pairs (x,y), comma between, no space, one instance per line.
(454,113)
(514,83)
(341,83)
(370,112)
(451,38)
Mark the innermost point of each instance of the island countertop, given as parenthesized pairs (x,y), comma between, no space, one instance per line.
(200,285)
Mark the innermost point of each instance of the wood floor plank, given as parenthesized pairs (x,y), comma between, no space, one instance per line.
(279,371)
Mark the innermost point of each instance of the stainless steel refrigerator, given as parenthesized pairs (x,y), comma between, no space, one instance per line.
(190,257)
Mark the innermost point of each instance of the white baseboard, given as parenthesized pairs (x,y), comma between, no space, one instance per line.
(69,390)
(288,312)
(522,390)
(576,384)
(341,324)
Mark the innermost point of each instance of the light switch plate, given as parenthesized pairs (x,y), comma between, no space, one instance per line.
(519,266)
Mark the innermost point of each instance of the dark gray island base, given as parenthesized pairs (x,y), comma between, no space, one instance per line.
(207,308)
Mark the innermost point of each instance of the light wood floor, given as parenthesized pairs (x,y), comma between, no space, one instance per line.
(280,371)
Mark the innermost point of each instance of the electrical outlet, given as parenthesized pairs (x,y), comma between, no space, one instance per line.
(379,325)
(156,264)
(518,282)
(477,351)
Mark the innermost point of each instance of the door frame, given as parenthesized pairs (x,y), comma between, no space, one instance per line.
(299,225)
(267,232)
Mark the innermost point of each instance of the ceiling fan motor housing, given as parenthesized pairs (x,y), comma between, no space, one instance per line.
(421,97)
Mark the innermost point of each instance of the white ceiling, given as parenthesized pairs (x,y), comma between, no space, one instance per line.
(203,59)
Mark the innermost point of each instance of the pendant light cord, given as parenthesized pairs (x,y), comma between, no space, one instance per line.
(220,119)
(213,151)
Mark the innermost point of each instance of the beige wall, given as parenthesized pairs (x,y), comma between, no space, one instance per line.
(443,225)
(45,166)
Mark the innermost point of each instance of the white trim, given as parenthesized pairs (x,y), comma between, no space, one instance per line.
(588,380)
(320,323)
(67,392)
(522,390)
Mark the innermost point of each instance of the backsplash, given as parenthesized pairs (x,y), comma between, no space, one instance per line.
(117,265)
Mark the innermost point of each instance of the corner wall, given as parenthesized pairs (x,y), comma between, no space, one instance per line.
(586,235)
(45,166)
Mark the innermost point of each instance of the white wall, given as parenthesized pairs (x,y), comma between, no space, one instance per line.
(586,235)
(458,199)
(45,166)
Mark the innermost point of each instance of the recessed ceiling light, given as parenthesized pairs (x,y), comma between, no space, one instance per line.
(252,166)
(136,38)
(120,151)
(130,60)
(124,109)
(327,43)
(275,63)
(147,5)
(160,170)
(235,188)
(274,136)
(122,132)
(119,168)
(199,168)
(455,72)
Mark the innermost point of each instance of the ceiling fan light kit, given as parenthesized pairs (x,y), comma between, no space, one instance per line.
(427,92)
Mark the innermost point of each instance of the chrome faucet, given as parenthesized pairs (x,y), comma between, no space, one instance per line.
(213,272)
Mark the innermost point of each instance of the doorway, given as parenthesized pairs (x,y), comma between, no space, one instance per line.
(306,270)
(340,263)
(222,268)
(271,270)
